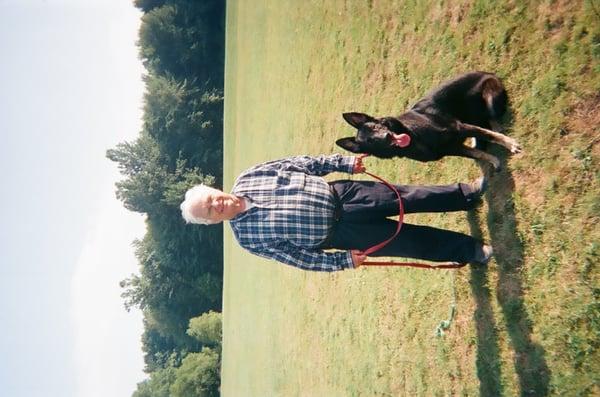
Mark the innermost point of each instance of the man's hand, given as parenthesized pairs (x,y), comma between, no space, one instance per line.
(357,258)
(359,168)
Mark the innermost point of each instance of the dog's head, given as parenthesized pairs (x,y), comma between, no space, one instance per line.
(384,137)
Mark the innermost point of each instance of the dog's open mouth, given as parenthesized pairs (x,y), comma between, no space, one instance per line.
(400,140)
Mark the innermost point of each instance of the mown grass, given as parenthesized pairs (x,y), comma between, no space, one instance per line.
(529,324)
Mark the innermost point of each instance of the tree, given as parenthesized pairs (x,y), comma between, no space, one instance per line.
(150,187)
(158,350)
(147,5)
(185,38)
(173,286)
(158,385)
(198,375)
(185,121)
(181,267)
(207,329)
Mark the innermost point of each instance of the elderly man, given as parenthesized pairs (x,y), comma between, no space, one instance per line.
(285,210)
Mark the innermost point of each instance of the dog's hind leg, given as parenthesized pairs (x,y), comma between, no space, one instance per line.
(489,135)
(496,126)
(464,151)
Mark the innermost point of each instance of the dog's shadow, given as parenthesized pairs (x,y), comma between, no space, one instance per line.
(529,357)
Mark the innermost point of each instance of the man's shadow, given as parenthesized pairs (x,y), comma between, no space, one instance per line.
(529,357)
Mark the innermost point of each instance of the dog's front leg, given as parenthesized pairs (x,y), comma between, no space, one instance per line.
(464,151)
(489,135)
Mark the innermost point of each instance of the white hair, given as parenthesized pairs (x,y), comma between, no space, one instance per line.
(192,196)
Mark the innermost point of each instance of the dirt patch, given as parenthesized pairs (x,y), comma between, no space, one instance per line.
(532,184)
(584,120)
(456,14)
(582,125)
(373,79)
(437,13)
(551,16)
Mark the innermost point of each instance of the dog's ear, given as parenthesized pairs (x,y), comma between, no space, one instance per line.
(356,120)
(349,144)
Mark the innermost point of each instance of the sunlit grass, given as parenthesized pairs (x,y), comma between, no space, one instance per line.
(526,326)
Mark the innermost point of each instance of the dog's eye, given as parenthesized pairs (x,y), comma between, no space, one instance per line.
(389,124)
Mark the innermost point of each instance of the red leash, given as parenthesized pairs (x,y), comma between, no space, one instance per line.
(376,247)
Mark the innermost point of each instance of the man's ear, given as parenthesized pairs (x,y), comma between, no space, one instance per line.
(356,120)
(349,144)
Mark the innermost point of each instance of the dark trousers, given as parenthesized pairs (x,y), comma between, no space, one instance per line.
(363,208)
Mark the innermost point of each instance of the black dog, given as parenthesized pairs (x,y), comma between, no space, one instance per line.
(437,125)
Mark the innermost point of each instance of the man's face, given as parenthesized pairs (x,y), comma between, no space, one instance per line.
(217,206)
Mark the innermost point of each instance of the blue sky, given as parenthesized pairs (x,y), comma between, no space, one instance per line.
(71,88)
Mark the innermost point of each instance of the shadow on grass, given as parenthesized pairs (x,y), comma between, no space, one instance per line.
(529,358)
(488,357)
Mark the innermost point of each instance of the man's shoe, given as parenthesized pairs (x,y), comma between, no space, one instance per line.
(483,255)
(479,186)
(476,190)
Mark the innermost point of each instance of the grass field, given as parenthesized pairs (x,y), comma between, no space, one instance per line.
(529,324)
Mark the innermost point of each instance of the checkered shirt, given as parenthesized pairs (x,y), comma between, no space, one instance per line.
(292,211)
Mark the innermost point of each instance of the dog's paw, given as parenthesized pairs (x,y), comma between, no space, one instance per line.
(515,148)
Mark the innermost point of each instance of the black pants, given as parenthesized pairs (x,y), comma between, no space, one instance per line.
(363,208)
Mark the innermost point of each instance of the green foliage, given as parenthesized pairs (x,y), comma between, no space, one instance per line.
(158,385)
(198,375)
(185,122)
(140,162)
(147,5)
(184,38)
(207,329)
(160,351)
(181,44)
(170,291)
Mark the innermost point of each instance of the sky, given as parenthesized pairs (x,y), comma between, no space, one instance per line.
(71,88)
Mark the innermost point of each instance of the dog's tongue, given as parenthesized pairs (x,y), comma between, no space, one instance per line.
(402,140)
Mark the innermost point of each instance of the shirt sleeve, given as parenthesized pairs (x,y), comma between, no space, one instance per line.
(317,165)
(314,260)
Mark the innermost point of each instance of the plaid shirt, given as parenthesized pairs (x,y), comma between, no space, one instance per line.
(292,211)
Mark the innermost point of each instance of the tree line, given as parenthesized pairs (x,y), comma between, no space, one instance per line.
(179,286)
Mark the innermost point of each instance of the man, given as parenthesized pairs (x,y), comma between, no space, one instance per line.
(285,210)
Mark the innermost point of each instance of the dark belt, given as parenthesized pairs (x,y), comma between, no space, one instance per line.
(337,203)
(337,215)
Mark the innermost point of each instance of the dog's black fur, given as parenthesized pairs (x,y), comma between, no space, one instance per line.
(467,106)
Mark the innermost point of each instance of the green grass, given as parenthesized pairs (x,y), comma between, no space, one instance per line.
(527,325)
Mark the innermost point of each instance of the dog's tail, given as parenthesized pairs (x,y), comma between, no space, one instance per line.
(495,97)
